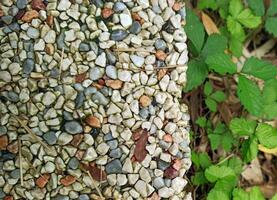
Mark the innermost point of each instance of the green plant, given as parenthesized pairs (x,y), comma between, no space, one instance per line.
(235,141)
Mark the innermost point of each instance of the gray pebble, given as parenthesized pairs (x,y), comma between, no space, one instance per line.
(113,167)
(119,6)
(61,197)
(15,174)
(108,136)
(113,144)
(115,153)
(111,72)
(95,73)
(158,183)
(135,28)
(119,35)
(98,3)
(73,163)
(3,130)
(21,3)
(79,87)
(7,19)
(160,44)
(50,137)
(110,57)
(164,145)
(84,197)
(144,113)
(67,116)
(32,33)
(163,165)
(12,96)
(28,66)
(73,127)
(100,98)
(79,101)
(84,47)
(14,27)
(13,11)
(90,90)
(2,193)
(167,182)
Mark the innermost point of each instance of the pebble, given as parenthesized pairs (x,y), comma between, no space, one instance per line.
(50,37)
(50,137)
(115,153)
(28,66)
(21,4)
(119,6)
(95,73)
(137,60)
(33,33)
(160,44)
(135,28)
(73,127)
(111,72)
(119,35)
(113,167)
(125,20)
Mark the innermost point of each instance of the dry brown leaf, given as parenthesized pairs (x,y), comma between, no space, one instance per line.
(269,151)
(253,173)
(209,24)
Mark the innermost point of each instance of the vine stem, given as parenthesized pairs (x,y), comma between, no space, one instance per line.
(225,159)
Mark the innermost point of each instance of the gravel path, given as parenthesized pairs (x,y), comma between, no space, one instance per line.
(89,100)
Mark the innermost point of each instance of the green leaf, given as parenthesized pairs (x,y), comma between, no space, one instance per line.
(208,88)
(272,10)
(201,160)
(223,8)
(199,178)
(270,25)
(196,74)
(235,163)
(221,63)
(203,4)
(217,195)
(240,194)
(216,43)
(242,126)
(250,149)
(214,173)
(235,28)
(256,194)
(235,7)
(194,30)
(227,184)
(249,20)
(211,104)
(201,121)
(218,96)
(274,197)
(236,45)
(267,135)
(259,68)
(270,99)
(224,140)
(250,96)
(257,6)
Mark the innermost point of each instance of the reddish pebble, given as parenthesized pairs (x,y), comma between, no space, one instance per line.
(38,5)
(20,14)
(177,6)
(8,198)
(93,121)
(13,147)
(3,142)
(161,55)
(1,12)
(114,84)
(161,73)
(177,164)
(42,180)
(68,180)
(50,20)
(80,77)
(136,17)
(29,15)
(154,196)
(170,173)
(107,12)
(77,139)
(101,82)
(167,138)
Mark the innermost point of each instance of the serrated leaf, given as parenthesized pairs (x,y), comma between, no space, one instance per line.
(250,149)
(196,74)
(224,140)
(249,20)
(214,173)
(215,44)
(218,96)
(236,45)
(243,127)
(203,4)
(217,195)
(250,96)
(201,121)
(257,6)
(211,104)
(201,160)
(270,25)
(194,30)
(240,194)
(272,10)
(256,194)
(267,135)
(236,164)
(235,28)
(227,184)
(270,99)
(259,68)
(199,178)
(221,63)
(235,7)
(208,88)
(223,8)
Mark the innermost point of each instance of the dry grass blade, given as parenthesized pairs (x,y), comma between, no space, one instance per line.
(209,24)
(269,151)
(96,187)
(23,125)
(20,162)
(133,50)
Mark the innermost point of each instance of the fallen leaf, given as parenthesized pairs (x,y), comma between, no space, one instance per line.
(95,172)
(140,150)
(209,24)
(225,112)
(253,173)
(269,151)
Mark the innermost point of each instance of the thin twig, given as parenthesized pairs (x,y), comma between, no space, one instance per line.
(61,63)
(227,158)
(23,125)
(215,78)
(20,162)
(96,187)
(133,50)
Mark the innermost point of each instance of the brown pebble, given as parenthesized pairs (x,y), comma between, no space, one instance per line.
(8,198)
(177,6)
(161,55)
(3,142)
(29,15)
(154,196)
(93,121)
(167,138)
(13,147)
(107,12)
(49,49)
(114,84)
(79,78)
(50,20)
(145,101)
(19,14)
(177,164)
(161,73)
(79,154)
(171,173)
(1,12)
(38,5)
(42,180)
(77,139)
(68,180)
